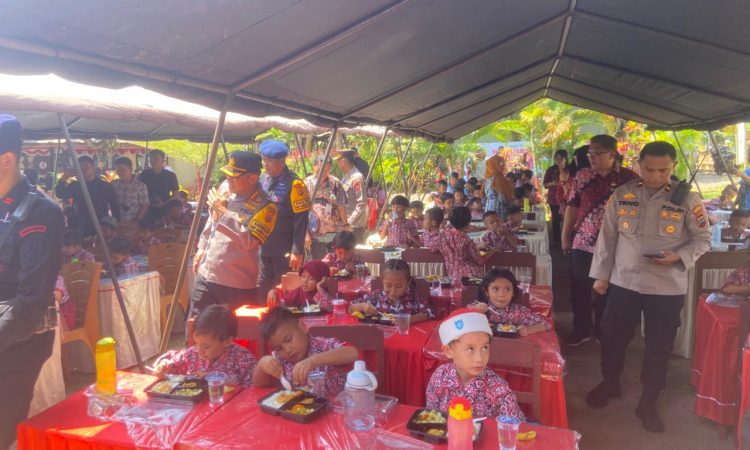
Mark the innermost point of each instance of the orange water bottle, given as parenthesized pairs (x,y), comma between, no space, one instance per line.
(106,366)
(460,424)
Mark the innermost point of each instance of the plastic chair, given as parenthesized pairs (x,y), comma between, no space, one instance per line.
(290,281)
(82,282)
(523,354)
(715,260)
(168,234)
(127,230)
(367,339)
(512,261)
(373,258)
(166,259)
(424,262)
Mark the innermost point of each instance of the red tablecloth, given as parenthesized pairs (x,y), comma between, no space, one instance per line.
(714,373)
(405,377)
(252,428)
(553,404)
(68,426)
(744,391)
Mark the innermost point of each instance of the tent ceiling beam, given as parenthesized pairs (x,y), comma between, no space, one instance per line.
(563,43)
(499,108)
(607,105)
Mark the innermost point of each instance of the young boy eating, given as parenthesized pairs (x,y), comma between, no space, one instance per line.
(72,249)
(497,235)
(466,337)
(398,231)
(214,351)
(296,354)
(119,250)
(344,256)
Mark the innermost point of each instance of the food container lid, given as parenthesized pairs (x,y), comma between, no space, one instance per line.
(361,378)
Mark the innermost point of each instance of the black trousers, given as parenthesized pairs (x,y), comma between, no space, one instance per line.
(205,294)
(556,223)
(662,319)
(271,270)
(582,295)
(20,365)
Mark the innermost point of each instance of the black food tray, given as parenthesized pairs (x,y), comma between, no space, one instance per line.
(421,430)
(188,383)
(318,405)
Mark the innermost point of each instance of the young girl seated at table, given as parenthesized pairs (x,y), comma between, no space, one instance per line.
(397,230)
(72,250)
(497,236)
(500,298)
(119,250)
(433,219)
(344,256)
(397,295)
(295,354)
(214,331)
(466,337)
(312,291)
(738,282)
(476,208)
(459,251)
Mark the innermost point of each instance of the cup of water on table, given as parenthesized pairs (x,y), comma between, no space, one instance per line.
(507,430)
(402,322)
(317,382)
(524,282)
(435,288)
(361,272)
(216,382)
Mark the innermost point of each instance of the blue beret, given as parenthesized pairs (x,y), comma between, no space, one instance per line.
(274,149)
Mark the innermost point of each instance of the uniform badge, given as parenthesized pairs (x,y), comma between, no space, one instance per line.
(700,216)
(625,225)
(621,212)
(629,196)
(633,213)
(670,229)
(664,214)
(262,223)
(676,216)
(299,197)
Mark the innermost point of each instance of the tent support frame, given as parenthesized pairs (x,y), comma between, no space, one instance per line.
(326,158)
(687,164)
(721,157)
(194,226)
(97,227)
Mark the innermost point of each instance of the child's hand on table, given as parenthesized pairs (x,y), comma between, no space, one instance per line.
(522,330)
(364,308)
(301,369)
(271,366)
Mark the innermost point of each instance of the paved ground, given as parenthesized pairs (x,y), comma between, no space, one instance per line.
(616,427)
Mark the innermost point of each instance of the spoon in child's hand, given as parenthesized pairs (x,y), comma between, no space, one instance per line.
(284,382)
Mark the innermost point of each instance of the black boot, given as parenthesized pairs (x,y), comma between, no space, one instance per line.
(646,411)
(600,395)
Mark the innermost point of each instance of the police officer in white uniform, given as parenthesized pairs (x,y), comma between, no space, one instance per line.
(649,239)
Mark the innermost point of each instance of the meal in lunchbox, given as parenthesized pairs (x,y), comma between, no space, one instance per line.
(163,387)
(430,416)
(300,409)
(507,328)
(187,392)
(278,400)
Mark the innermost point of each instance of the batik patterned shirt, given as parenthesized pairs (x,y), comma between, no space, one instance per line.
(235,362)
(516,314)
(127,267)
(408,303)
(399,230)
(132,197)
(590,193)
(333,261)
(429,237)
(488,393)
(500,241)
(460,254)
(296,298)
(335,376)
(740,277)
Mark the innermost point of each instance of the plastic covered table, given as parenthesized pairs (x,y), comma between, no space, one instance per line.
(241,424)
(714,371)
(67,425)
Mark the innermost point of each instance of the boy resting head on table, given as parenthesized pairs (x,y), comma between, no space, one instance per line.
(214,351)
(397,295)
(466,337)
(295,354)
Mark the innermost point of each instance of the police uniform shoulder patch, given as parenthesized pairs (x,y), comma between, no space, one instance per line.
(700,216)
(262,223)
(299,197)
(629,196)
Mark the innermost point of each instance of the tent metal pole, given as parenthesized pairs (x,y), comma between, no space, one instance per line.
(402,164)
(416,177)
(298,140)
(54,165)
(721,157)
(100,236)
(194,226)
(224,147)
(326,158)
(375,158)
(687,164)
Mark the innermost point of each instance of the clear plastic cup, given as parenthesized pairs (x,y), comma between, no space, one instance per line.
(524,282)
(317,382)
(361,272)
(216,383)
(402,323)
(507,430)
(435,288)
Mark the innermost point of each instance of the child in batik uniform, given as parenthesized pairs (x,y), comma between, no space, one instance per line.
(313,275)
(500,298)
(476,208)
(416,213)
(214,351)
(119,249)
(397,295)
(397,230)
(72,249)
(497,235)
(433,218)
(296,354)
(460,253)
(466,337)
(738,282)
(344,256)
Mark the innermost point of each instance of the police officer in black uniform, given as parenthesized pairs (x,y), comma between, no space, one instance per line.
(293,201)
(31,233)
